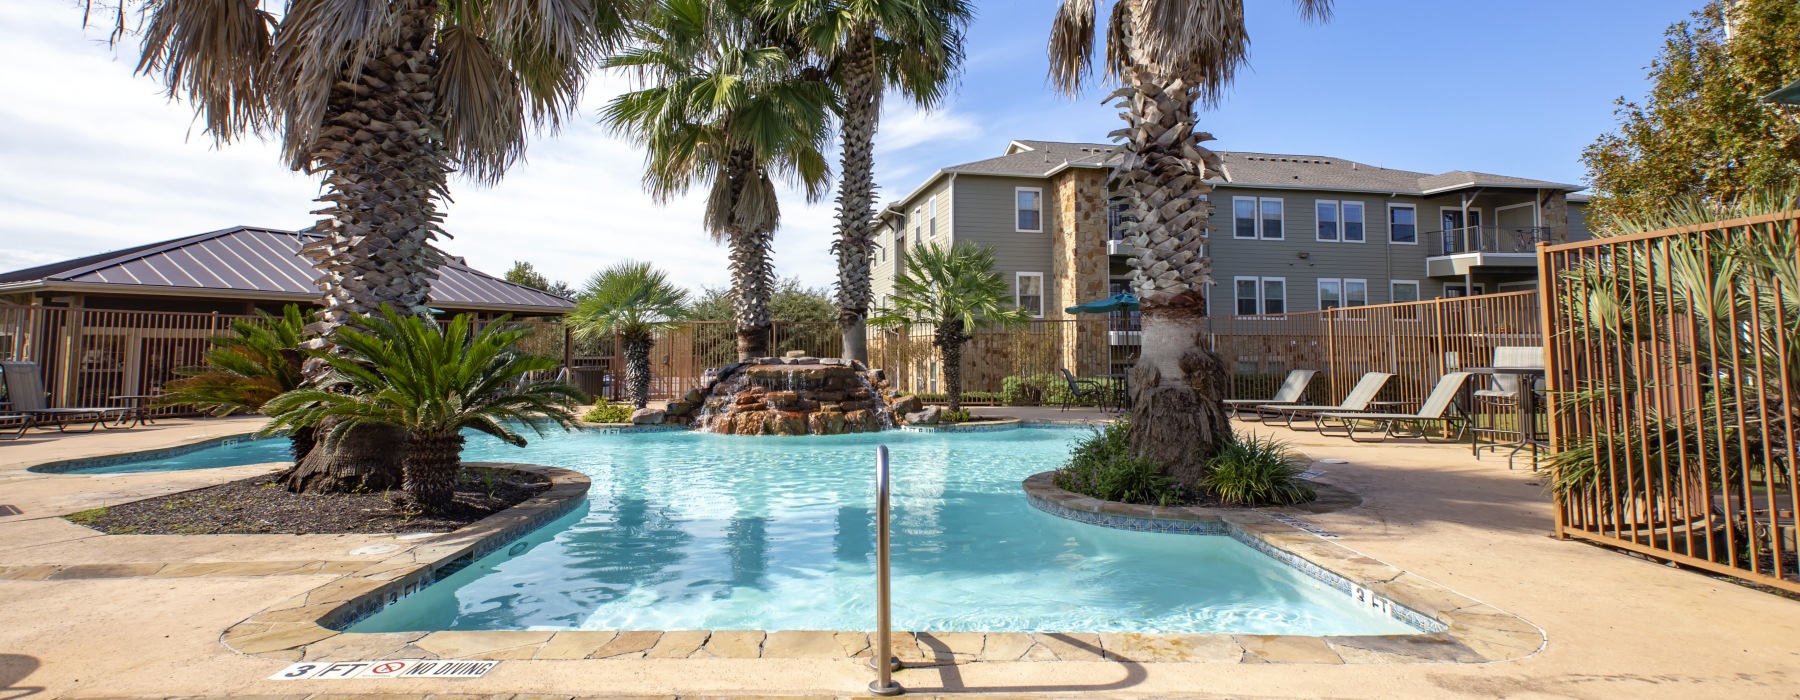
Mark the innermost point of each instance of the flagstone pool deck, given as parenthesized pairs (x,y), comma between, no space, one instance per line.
(90,615)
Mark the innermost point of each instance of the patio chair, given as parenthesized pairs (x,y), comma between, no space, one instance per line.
(1440,408)
(25,387)
(1291,390)
(1503,392)
(18,423)
(1080,389)
(1357,400)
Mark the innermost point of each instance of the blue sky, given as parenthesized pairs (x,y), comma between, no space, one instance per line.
(96,159)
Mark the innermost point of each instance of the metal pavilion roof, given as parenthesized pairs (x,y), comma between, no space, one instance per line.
(255,263)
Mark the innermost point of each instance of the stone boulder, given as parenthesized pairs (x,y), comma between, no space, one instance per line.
(910,403)
(787,423)
(679,408)
(648,416)
(930,416)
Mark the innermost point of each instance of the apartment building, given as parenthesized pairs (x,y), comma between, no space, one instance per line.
(1290,233)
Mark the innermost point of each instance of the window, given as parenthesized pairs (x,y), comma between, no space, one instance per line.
(1030,204)
(1336,293)
(1403,291)
(1328,220)
(1030,293)
(931,216)
(918,225)
(1243,214)
(1271,218)
(1356,292)
(1403,224)
(1261,295)
(1353,222)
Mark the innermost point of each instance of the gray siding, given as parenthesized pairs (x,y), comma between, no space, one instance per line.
(985,216)
(917,228)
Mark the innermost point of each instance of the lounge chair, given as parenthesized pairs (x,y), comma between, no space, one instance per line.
(1358,400)
(1437,409)
(1291,391)
(1081,390)
(25,388)
(18,423)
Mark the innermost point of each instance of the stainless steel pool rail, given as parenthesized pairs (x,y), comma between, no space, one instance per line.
(884,683)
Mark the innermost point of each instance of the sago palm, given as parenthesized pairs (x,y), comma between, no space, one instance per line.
(1167,56)
(957,290)
(383,99)
(258,361)
(728,103)
(914,46)
(630,301)
(433,382)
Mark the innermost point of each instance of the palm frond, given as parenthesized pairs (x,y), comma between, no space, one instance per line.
(213,54)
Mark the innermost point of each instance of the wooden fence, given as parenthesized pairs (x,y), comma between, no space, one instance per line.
(1674,371)
(1416,341)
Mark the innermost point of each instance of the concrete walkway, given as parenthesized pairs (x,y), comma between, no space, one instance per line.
(1618,627)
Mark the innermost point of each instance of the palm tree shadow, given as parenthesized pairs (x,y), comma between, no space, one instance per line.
(13,669)
(953,680)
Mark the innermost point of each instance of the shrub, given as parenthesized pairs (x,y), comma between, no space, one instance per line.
(1256,471)
(604,412)
(962,416)
(1103,467)
(1024,390)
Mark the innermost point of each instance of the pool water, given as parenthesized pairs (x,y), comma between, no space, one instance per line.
(242,452)
(693,531)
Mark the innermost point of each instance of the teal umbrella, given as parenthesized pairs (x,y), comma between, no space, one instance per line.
(1116,302)
(1789,95)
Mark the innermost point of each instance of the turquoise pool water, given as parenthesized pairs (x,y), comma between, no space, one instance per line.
(242,452)
(690,531)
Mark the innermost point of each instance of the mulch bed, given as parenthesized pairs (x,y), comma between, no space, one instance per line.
(259,505)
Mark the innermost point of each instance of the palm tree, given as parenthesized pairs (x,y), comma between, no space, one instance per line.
(383,100)
(630,300)
(728,103)
(433,382)
(913,45)
(957,290)
(260,360)
(1167,55)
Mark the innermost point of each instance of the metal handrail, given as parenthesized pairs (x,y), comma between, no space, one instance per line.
(884,683)
(1490,238)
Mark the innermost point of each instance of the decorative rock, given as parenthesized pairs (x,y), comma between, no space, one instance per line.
(834,361)
(860,422)
(648,416)
(787,423)
(750,422)
(829,396)
(795,353)
(679,408)
(908,404)
(768,361)
(692,397)
(848,406)
(930,416)
(782,400)
(826,423)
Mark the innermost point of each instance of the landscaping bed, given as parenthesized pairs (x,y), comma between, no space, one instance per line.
(259,505)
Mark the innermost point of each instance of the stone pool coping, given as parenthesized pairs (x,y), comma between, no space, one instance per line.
(75,464)
(309,627)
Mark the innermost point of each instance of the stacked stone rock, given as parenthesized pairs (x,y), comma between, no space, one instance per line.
(795,395)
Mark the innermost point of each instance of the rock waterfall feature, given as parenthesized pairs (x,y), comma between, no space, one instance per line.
(794,395)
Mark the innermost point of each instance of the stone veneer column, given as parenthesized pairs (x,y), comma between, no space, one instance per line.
(1555,214)
(1078,264)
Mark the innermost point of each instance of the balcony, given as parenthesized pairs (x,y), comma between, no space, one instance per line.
(1115,234)
(1460,251)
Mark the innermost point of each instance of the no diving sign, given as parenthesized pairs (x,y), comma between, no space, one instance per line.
(398,668)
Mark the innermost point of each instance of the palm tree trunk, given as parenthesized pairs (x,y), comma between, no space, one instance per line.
(1178,418)
(750,233)
(950,339)
(367,459)
(637,370)
(856,192)
(433,462)
(385,166)
(300,442)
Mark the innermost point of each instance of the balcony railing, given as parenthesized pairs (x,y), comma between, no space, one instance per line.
(1489,239)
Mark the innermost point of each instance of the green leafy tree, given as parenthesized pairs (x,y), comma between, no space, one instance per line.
(433,382)
(631,300)
(791,301)
(258,361)
(871,45)
(526,274)
(728,103)
(1167,56)
(1701,132)
(957,291)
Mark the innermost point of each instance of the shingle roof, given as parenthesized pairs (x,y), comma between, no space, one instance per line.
(262,262)
(1042,158)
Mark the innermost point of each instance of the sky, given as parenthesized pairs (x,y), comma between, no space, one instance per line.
(93,158)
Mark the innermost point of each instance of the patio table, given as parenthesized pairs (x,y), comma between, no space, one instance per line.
(1121,399)
(1526,406)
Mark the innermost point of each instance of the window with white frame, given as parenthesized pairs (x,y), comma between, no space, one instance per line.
(1261,295)
(931,217)
(1029,293)
(1243,217)
(1353,222)
(1335,293)
(918,225)
(1400,291)
(1403,224)
(1327,217)
(1029,203)
(1271,218)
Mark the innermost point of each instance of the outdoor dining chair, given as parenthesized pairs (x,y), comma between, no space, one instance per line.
(1291,391)
(1081,390)
(1358,399)
(1504,392)
(25,388)
(1440,408)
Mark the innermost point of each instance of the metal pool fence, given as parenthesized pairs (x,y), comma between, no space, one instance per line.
(1674,366)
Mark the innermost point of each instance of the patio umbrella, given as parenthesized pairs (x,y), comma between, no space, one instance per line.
(1789,95)
(1122,300)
